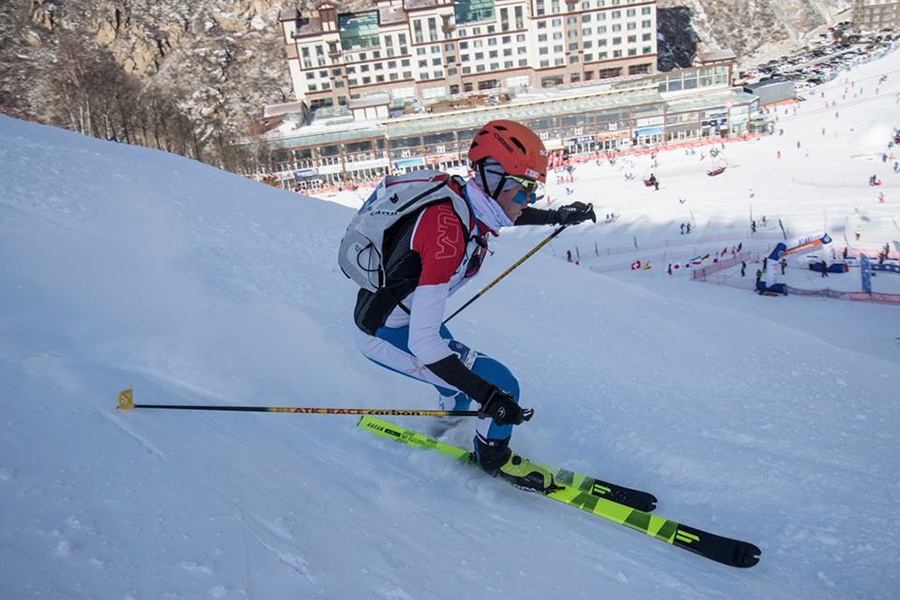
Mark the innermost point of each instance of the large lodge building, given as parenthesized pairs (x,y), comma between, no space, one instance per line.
(429,49)
(397,88)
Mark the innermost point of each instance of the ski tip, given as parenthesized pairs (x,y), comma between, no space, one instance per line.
(746,555)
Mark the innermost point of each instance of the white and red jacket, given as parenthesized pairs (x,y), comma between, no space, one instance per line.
(429,257)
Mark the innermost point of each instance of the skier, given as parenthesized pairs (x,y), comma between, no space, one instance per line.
(429,255)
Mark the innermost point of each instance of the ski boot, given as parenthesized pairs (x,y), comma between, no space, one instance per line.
(495,457)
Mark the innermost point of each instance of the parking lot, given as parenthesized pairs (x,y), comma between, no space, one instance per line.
(823,58)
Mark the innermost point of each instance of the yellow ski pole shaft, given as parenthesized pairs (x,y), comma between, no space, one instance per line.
(484,290)
(126,402)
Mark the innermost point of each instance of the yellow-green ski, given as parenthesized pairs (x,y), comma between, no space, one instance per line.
(727,551)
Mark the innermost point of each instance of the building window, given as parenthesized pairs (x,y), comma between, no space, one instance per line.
(607,73)
(645,68)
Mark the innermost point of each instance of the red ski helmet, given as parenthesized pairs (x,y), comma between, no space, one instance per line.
(517,148)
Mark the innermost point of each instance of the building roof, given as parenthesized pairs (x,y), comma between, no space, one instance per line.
(761,84)
(388,15)
(379,99)
(715,56)
(273,110)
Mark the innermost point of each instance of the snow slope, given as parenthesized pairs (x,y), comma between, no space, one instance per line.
(769,419)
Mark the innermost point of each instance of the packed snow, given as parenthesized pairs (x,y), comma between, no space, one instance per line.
(769,419)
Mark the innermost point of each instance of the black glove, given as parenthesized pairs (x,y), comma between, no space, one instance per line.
(575,213)
(504,409)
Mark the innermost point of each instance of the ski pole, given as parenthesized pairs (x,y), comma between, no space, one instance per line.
(543,243)
(126,402)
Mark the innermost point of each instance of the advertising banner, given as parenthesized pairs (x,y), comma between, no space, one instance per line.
(866,270)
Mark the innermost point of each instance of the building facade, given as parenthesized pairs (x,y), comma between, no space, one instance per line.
(418,51)
(875,15)
(675,107)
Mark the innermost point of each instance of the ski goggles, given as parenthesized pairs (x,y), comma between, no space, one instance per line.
(528,195)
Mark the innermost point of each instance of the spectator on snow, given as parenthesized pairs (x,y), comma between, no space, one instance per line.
(783,265)
(824,266)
